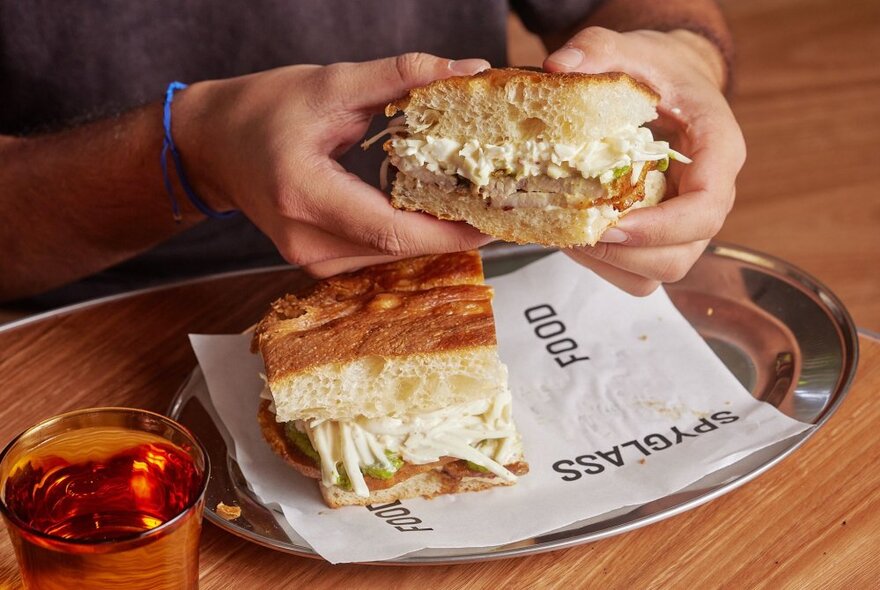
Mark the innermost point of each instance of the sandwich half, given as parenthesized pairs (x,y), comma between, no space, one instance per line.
(386,384)
(528,157)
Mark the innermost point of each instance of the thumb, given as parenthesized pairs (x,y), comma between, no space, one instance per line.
(374,84)
(591,51)
(595,50)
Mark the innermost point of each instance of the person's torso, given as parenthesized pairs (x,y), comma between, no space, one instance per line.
(62,63)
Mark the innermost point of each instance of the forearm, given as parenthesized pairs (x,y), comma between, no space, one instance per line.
(264,144)
(699,23)
(78,201)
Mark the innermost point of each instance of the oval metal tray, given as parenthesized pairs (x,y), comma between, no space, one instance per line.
(784,335)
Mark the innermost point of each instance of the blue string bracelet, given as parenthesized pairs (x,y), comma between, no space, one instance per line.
(168,146)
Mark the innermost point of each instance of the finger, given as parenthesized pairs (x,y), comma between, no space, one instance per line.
(303,245)
(667,264)
(706,185)
(572,57)
(372,85)
(706,188)
(629,282)
(329,268)
(595,50)
(342,204)
(591,51)
(715,144)
(690,217)
(684,100)
(713,139)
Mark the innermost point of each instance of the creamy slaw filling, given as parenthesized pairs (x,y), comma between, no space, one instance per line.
(606,159)
(625,151)
(481,432)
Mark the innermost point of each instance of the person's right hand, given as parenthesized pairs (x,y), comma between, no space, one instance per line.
(266,144)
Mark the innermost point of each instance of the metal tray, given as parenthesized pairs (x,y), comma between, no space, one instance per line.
(784,335)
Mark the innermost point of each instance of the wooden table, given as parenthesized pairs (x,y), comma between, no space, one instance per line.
(808,99)
(812,521)
(807,96)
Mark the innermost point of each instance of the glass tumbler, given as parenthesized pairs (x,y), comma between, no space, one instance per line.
(105,498)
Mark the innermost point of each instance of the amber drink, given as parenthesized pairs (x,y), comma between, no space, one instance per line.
(105,498)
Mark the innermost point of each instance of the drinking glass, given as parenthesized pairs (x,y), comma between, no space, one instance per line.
(105,498)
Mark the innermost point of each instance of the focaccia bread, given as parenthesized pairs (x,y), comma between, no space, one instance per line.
(386,383)
(528,157)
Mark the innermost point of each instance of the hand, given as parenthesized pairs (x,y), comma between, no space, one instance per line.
(266,144)
(660,244)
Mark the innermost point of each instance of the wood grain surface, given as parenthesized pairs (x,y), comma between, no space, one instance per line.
(811,522)
(807,94)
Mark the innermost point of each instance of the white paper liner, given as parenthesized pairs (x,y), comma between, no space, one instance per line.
(650,411)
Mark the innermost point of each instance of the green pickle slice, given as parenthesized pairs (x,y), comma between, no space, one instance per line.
(301,441)
(343,480)
(474,467)
(379,471)
(618,172)
(488,447)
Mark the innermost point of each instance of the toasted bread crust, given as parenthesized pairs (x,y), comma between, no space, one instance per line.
(451,475)
(430,484)
(501,76)
(409,307)
(413,274)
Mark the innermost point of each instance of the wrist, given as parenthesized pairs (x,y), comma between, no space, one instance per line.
(192,129)
(713,62)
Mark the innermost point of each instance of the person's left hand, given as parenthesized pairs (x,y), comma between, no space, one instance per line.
(660,244)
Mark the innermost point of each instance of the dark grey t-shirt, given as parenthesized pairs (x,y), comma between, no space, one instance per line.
(64,62)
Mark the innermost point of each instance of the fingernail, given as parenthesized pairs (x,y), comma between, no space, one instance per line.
(467,67)
(613,235)
(568,57)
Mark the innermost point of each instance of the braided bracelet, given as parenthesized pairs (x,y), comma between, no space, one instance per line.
(168,146)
